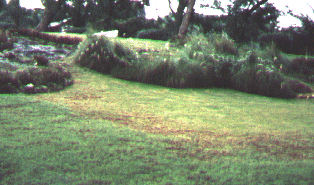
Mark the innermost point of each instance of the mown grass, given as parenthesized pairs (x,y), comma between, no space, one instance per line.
(104,130)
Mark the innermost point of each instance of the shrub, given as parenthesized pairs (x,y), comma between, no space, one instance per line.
(23,77)
(7,83)
(98,53)
(301,43)
(302,66)
(282,41)
(54,77)
(224,72)
(41,60)
(198,44)
(75,30)
(158,72)
(5,41)
(224,45)
(262,80)
(129,27)
(154,34)
(198,76)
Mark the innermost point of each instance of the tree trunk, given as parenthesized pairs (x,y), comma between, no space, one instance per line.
(45,20)
(49,13)
(185,23)
(179,14)
(78,18)
(110,14)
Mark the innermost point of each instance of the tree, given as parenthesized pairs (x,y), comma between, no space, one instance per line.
(16,12)
(78,13)
(247,19)
(179,14)
(303,38)
(51,7)
(110,12)
(185,23)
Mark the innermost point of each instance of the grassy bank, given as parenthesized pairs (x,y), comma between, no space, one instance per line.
(104,130)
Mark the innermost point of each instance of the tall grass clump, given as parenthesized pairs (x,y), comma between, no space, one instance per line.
(202,63)
(196,64)
(224,45)
(100,54)
(192,68)
(263,78)
(198,44)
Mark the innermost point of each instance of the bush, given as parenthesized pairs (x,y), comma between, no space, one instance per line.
(263,78)
(159,72)
(302,40)
(302,66)
(5,41)
(7,83)
(54,78)
(98,53)
(75,30)
(198,44)
(282,41)
(302,44)
(225,46)
(41,60)
(154,34)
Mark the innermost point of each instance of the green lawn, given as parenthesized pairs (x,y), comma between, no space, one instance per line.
(104,130)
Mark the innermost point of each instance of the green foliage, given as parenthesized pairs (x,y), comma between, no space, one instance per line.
(6,41)
(54,78)
(262,80)
(245,26)
(16,12)
(282,41)
(197,65)
(198,44)
(224,45)
(98,53)
(31,80)
(7,83)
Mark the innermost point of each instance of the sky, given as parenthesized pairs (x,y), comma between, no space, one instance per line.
(161,8)
(297,6)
